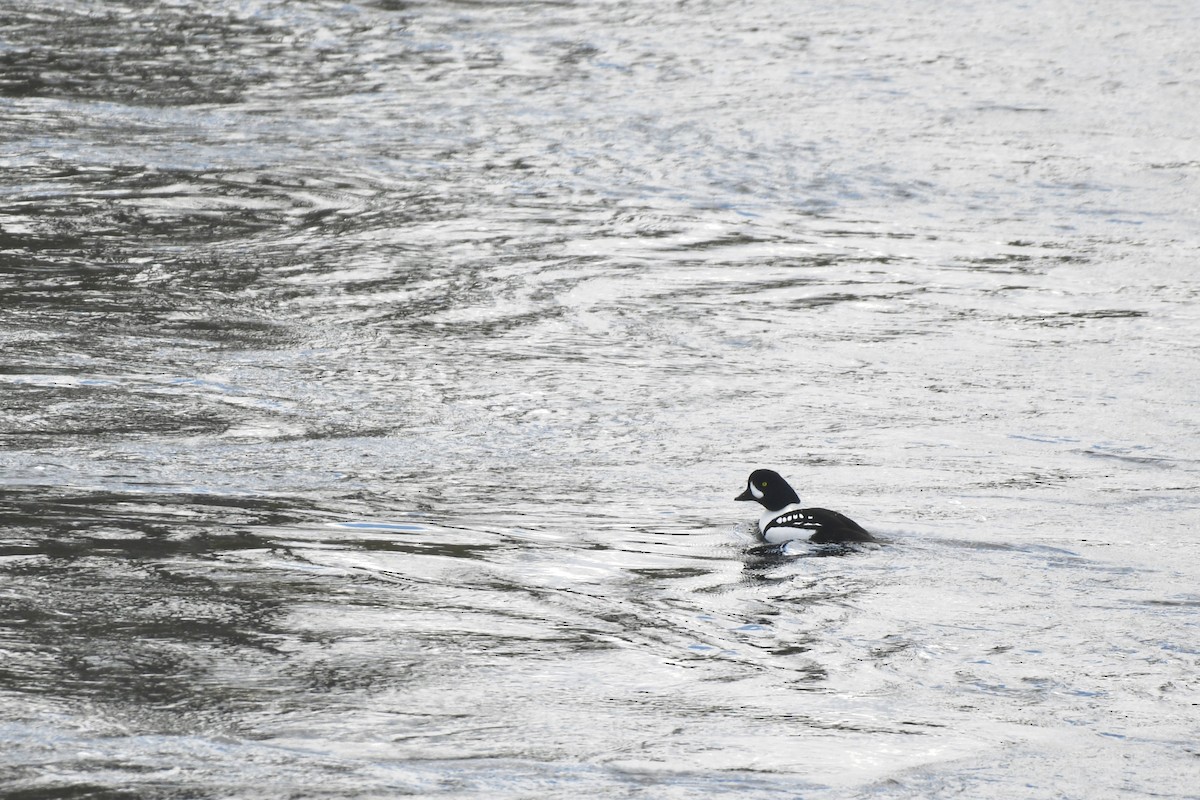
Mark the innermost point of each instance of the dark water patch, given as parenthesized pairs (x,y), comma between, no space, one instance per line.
(1030,479)
(476,551)
(869,233)
(901,729)
(1006,263)
(151,54)
(1164,462)
(817,301)
(99,409)
(124,212)
(125,633)
(107,54)
(1064,319)
(1108,313)
(142,540)
(82,790)
(66,522)
(1174,603)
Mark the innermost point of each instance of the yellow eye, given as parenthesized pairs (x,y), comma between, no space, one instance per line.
(763,484)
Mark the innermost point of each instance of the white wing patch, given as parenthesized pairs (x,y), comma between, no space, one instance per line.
(797,519)
(782,534)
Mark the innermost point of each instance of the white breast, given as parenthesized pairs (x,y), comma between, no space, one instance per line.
(778,535)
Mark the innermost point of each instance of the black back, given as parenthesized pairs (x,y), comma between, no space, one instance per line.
(829,527)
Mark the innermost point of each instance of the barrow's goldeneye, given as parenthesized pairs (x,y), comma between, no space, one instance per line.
(784,519)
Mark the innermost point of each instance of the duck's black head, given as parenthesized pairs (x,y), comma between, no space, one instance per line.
(766,486)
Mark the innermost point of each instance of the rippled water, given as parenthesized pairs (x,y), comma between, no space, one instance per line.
(377,380)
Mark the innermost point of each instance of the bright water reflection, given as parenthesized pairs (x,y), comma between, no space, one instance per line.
(378,378)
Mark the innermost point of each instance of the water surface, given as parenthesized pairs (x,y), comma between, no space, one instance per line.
(377,380)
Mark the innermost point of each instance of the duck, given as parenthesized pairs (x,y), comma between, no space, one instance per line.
(784,520)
